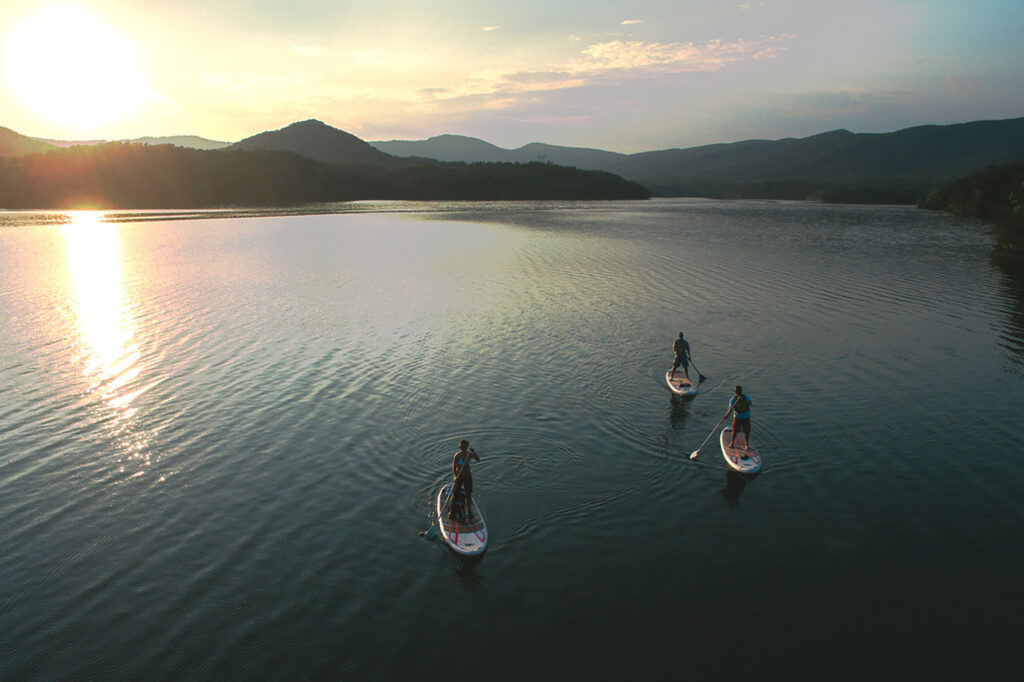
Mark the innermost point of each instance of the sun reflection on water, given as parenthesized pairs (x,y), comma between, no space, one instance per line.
(106,329)
(94,269)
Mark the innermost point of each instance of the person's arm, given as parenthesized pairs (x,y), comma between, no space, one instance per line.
(472,453)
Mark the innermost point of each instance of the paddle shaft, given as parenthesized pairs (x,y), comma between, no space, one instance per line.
(433,527)
(693,454)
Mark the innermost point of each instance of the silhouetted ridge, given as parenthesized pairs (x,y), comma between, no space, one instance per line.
(319,141)
(122,175)
(190,141)
(16,144)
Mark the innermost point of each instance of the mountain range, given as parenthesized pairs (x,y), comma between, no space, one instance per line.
(839,165)
(904,162)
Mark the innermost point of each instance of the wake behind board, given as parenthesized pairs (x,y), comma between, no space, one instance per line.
(680,385)
(734,455)
(468,538)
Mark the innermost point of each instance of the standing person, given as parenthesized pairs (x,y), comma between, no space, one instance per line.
(681,347)
(739,406)
(462,476)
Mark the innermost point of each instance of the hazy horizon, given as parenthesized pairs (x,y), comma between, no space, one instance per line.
(621,77)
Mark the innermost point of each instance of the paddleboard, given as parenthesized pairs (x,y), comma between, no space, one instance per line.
(466,538)
(680,385)
(734,456)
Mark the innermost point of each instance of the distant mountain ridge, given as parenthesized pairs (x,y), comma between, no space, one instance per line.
(839,165)
(187,141)
(471,149)
(16,144)
(906,161)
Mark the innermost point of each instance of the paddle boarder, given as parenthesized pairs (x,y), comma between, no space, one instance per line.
(463,477)
(681,347)
(739,407)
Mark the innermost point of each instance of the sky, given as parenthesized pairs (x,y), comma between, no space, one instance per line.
(622,76)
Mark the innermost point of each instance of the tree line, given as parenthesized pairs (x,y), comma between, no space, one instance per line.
(122,175)
(996,195)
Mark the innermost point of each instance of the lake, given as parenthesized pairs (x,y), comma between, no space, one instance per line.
(221,432)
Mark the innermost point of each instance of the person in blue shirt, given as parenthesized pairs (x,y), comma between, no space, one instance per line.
(739,406)
(681,348)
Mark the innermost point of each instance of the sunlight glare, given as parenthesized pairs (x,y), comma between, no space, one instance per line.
(68,66)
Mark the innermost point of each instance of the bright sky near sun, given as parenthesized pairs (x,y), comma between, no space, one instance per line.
(624,76)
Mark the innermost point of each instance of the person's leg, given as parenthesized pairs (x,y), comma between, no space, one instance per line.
(745,428)
(732,435)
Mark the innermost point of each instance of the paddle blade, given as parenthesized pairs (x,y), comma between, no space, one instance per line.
(430,532)
(693,455)
(701,378)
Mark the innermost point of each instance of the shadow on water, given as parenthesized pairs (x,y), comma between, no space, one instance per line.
(677,411)
(1012,294)
(465,571)
(735,482)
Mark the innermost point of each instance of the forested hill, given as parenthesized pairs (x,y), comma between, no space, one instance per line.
(318,141)
(121,175)
(997,195)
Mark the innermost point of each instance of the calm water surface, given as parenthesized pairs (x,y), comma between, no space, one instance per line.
(220,435)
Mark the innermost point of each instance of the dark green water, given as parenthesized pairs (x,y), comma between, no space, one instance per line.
(219,438)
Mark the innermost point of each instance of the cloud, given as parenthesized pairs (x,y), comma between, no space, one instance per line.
(620,55)
(751,6)
(489,28)
(307,50)
(624,58)
(610,63)
(630,22)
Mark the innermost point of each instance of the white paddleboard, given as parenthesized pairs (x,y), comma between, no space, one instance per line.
(467,538)
(680,385)
(734,455)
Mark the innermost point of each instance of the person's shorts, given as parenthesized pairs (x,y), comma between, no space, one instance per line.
(680,362)
(741,425)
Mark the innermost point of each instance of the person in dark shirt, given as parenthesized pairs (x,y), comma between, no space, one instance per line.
(681,348)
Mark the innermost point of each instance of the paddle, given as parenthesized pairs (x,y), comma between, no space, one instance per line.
(430,532)
(693,455)
(700,377)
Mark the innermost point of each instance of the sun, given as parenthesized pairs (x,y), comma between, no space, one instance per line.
(71,68)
